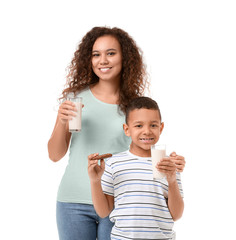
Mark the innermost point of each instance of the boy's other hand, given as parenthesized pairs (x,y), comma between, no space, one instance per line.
(179,161)
(95,171)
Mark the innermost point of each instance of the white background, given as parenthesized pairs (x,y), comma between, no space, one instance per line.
(189,48)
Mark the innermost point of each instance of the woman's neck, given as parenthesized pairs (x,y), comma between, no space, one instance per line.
(106,92)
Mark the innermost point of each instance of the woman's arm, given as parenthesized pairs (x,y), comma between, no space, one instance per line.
(59,142)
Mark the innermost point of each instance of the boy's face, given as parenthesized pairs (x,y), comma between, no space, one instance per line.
(144,127)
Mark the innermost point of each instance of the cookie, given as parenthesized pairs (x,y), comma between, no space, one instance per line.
(107,155)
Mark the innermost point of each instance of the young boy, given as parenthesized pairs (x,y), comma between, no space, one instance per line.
(140,207)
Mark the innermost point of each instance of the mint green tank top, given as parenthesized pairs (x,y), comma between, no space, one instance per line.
(102,132)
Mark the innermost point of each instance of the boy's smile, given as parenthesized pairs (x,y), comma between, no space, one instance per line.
(145,127)
(147,140)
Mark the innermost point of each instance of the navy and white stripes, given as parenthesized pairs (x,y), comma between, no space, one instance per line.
(140,210)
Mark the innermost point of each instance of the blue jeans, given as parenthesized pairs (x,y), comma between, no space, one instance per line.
(76,221)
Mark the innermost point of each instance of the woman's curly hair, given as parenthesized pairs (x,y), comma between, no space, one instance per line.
(133,75)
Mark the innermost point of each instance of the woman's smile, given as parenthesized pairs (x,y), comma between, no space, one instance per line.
(104,70)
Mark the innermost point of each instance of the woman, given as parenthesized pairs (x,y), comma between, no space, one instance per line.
(107,71)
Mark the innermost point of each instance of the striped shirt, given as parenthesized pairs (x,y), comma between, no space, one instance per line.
(140,208)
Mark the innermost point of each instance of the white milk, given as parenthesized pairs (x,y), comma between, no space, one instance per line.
(75,122)
(157,155)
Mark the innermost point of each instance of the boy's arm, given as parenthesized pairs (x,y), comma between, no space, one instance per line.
(103,203)
(175,200)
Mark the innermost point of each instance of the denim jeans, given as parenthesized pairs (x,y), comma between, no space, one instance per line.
(77,221)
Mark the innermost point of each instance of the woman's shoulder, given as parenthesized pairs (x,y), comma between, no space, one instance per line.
(82,93)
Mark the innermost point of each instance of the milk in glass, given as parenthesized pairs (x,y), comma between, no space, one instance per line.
(75,122)
(158,152)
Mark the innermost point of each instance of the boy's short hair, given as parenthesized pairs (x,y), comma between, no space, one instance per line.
(139,103)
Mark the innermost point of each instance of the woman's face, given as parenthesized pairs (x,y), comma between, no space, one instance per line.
(107,58)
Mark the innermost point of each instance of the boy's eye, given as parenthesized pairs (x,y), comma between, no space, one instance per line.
(154,125)
(138,126)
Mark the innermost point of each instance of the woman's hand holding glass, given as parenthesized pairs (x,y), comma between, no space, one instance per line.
(66,111)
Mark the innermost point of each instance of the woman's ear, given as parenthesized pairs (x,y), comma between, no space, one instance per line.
(126,129)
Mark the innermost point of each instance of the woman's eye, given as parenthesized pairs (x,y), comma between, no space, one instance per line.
(95,55)
(111,53)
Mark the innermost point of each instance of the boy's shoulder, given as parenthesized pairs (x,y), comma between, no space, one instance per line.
(118,157)
(123,157)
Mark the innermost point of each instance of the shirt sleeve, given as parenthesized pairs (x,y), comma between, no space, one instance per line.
(107,180)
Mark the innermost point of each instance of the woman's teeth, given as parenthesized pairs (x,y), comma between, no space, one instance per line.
(104,69)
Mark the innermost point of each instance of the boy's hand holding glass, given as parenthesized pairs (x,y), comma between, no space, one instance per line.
(167,166)
(179,161)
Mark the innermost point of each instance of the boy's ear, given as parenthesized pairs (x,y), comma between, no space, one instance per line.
(126,129)
(162,126)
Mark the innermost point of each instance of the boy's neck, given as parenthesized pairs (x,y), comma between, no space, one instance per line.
(140,152)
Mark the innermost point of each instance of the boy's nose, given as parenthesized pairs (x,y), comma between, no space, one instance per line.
(147,130)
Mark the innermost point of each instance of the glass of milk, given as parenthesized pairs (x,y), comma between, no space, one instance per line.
(75,122)
(158,152)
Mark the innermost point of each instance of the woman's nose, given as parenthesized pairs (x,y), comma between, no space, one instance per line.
(103,60)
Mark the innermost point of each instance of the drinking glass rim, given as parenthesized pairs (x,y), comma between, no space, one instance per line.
(160,145)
